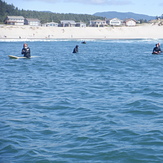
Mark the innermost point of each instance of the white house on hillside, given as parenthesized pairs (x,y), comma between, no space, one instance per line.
(51,24)
(114,22)
(14,20)
(130,22)
(80,24)
(98,23)
(32,22)
(68,23)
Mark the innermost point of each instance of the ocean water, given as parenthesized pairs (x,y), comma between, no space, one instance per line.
(103,104)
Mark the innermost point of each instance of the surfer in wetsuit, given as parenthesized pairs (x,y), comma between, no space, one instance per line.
(156,49)
(83,42)
(75,49)
(159,47)
(26,51)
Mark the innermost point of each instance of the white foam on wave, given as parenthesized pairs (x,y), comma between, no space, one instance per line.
(89,40)
(32,40)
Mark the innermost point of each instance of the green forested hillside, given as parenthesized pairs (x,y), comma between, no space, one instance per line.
(124,15)
(11,10)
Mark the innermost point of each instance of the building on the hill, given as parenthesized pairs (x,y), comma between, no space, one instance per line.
(67,23)
(14,20)
(130,22)
(50,24)
(80,24)
(32,22)
(114,22)
(98,23)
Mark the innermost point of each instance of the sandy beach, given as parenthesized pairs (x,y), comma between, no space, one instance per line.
(32,32)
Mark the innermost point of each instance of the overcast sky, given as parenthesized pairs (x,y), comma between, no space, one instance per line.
(148,7)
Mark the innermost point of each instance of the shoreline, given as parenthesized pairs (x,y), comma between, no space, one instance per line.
(80,33)
(75,39)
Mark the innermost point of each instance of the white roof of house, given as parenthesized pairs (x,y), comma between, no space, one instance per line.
(98,20)
(80,23)
(130,19)
(15,17)
(114,19)
(68,21)
(51,23)
(32,20)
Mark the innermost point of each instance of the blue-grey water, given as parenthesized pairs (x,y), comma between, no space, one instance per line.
(103,104)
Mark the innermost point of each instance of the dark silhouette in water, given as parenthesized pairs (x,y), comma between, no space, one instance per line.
(75,49)
(26,51)
(157,49)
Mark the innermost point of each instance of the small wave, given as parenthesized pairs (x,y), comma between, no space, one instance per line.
(34,40)
(89,40)
(143,107)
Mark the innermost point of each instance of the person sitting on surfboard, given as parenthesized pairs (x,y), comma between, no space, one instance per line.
(159,47)
(75,49)
(26,51)
(156,49)
(83,42)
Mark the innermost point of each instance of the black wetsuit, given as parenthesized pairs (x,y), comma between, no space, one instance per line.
(159,49)
(156,50)
(75,49)
(26,52)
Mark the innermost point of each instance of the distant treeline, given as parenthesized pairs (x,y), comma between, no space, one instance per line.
(44,17)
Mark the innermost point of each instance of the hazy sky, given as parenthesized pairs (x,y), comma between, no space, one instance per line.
(148,7)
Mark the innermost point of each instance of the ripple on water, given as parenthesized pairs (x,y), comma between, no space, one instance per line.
(103,104)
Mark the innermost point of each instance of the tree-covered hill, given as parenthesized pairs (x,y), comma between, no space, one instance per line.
(11,10)
(124,15)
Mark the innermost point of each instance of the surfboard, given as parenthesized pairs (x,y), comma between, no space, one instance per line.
(15,57)
(156,53)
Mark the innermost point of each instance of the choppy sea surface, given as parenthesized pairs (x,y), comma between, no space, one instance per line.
(103,104)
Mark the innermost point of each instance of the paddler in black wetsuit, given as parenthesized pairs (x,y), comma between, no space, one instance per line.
(75,49)
(159,47)
(156,49)
(26,51)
